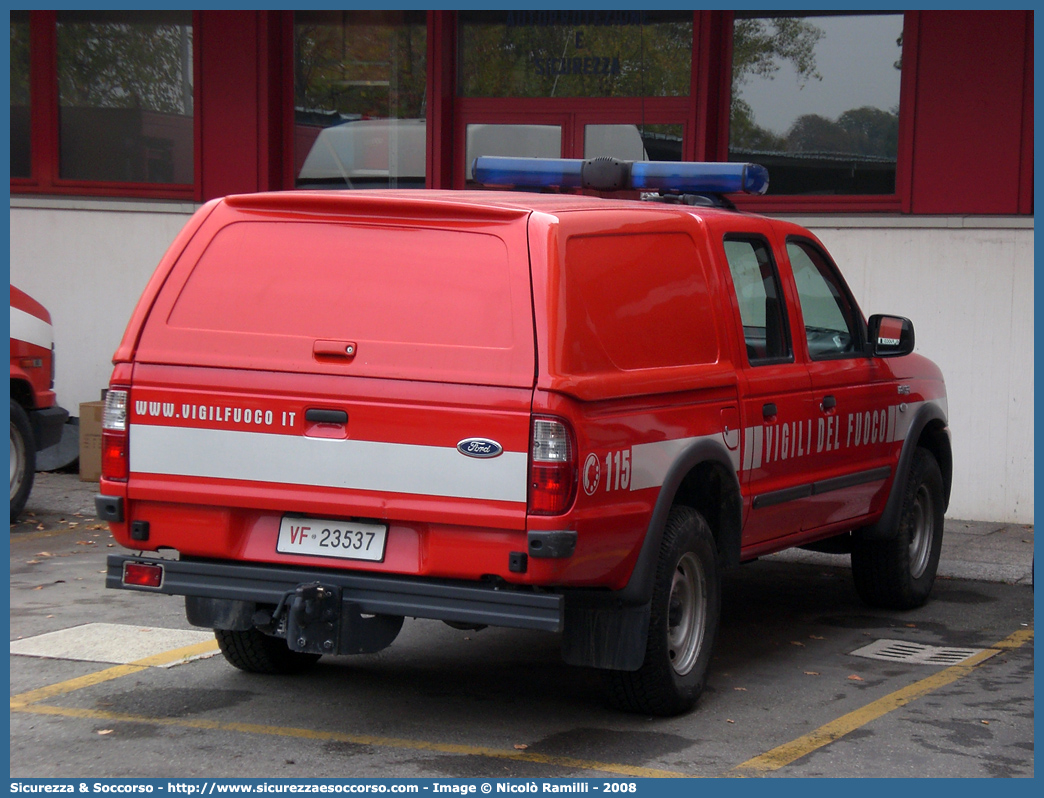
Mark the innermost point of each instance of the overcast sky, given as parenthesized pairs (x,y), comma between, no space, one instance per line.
(855,58)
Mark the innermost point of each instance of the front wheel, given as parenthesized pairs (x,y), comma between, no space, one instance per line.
(23,459)
(686,606)
(899,573)
(255,652)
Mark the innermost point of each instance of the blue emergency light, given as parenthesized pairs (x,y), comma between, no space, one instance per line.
(612,174)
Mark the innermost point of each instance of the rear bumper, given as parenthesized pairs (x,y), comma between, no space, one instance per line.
(375,594)
(47,425)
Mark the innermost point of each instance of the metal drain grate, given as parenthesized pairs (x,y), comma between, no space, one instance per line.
(915,653)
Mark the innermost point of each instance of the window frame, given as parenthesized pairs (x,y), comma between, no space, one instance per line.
(787,338)
(44,153)
(899,202)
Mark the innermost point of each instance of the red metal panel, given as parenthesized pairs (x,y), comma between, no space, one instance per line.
(969,126)
(442,37)
(1026,169)
(229,102)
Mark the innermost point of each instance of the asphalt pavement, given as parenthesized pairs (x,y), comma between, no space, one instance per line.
(988,551)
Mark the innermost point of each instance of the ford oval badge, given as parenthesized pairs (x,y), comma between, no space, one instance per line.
(479,447)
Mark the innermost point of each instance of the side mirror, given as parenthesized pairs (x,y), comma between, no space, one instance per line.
(890,336)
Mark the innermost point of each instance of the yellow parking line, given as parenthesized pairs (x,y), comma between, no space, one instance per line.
(28,702)
(789,752)
(357,739)
(156,660)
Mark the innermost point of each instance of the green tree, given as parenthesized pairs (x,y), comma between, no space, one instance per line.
(872,131)
(760,46)
(107,63)
(361,63)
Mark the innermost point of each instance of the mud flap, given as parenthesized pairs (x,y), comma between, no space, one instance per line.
(599,635)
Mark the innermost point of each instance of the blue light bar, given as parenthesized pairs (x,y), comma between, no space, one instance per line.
(610,174)
(699,178)
(492,170)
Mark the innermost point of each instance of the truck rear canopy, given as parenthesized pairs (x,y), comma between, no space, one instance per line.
(438,301)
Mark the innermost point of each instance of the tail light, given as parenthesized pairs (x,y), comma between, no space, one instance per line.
(552,467)
(114,436)
(143,574)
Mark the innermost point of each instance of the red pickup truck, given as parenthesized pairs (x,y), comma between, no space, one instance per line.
(36,418)
(331,411)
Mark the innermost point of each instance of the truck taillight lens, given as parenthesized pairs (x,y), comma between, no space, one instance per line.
(114,436)
(552,467)
(143,574)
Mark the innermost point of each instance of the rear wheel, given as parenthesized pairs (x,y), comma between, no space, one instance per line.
(899,573)
(683,623)
(23,459)
(256,652)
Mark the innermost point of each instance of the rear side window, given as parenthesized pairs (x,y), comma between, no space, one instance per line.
(636,301)
(762,309)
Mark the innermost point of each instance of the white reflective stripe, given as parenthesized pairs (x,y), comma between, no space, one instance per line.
(322,462)
(753,438)
(650,462)
(27,327)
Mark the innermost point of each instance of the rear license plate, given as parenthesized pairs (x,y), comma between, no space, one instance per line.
(324,537)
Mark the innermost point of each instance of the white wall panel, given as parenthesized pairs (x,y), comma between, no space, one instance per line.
(87,263)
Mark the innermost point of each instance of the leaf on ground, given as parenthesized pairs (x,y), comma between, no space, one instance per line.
(521,746)
(855,678)
(817,637)
(741,689)
(32,562)
(104,731)
(797,643)
(811,673)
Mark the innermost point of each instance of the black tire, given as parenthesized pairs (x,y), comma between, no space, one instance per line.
(899,573)
(686,606)
(255,652)
(23,459)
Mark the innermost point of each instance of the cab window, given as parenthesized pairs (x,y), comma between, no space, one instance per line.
(762,312)
(832,321)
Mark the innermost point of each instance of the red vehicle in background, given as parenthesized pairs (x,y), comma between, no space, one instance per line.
(36,418)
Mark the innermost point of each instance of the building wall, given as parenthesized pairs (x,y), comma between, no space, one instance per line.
(87,262)
(967,282)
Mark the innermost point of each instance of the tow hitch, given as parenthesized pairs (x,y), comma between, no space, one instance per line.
(320,622)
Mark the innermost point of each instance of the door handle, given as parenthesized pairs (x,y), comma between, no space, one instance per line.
(344,350)
(829,403)
(321,416)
